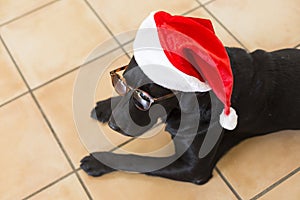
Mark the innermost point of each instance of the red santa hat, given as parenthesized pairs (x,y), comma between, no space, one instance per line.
(184,54)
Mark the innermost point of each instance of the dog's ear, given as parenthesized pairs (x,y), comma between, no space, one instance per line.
(188,102)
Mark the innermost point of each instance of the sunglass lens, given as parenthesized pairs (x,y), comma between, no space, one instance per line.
(141,100)
(119,85)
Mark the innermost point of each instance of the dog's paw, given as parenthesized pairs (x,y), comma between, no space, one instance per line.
(93,167)
(102,111)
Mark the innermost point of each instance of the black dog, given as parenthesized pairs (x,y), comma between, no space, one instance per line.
(266,95)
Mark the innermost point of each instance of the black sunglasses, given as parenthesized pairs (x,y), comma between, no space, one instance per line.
(142,99)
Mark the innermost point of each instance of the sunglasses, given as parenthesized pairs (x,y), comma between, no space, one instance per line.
(142,100)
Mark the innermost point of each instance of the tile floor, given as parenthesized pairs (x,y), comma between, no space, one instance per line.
(47,45)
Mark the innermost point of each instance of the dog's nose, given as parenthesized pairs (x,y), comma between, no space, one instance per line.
(94,114)
(113,126)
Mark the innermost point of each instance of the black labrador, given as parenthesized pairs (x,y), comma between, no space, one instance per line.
(266,95)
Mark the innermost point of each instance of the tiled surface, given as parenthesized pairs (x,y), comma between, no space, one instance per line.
(53,39)
(69,188)
(48,42)
(291,186)
(120,185)
(30,156)
(250,170)
(56,99)
(263,24)
(12,9)
(11,83)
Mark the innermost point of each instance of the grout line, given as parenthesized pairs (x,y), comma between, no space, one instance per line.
(52,183)
(207,2)
(274,185)
(78,169)
(122,144)
(20,95)
(106,27)
(191,10)
(49,185)
(226,29)
(28,13)
(83,185)
(228,184)
(45,117)
(13,99)
(56,78)
(128,42)
(223,26)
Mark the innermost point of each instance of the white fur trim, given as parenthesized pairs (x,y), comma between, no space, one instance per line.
(151,58)
(229,122)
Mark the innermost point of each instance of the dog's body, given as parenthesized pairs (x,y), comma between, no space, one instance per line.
(266,95)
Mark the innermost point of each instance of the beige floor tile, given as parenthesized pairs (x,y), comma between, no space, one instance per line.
(264,24)
(12,9)
(123,16)
(54,39)
(120,185)
(30,156)
(11,83)
(286,190)
(222,34)
(57,100)
(68,188)
(259,162)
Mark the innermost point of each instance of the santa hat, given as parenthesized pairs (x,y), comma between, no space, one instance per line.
(184,54)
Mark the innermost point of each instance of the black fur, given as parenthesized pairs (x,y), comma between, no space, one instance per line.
(265,94)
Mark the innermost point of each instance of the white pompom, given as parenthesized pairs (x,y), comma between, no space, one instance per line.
(229,122)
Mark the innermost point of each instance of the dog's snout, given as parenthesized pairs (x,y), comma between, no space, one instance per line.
(113,126)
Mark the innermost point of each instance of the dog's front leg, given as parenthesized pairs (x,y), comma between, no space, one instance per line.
(103,110)
(94,163)
(188,167)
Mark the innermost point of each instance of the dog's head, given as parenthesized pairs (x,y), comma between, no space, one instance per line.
(128,119)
